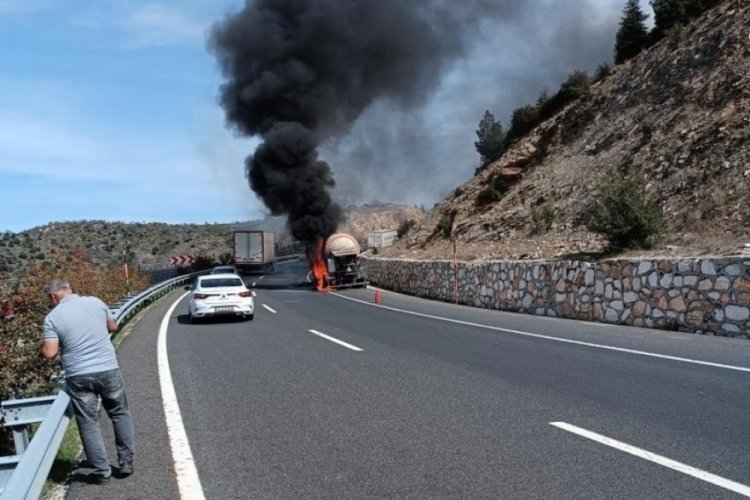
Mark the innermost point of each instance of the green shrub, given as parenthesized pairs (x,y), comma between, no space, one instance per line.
(492,193)
(405,227)
(523,120)
(602,71)
(674,36)
(577,85)
(543,217)
(647,131)
(624,212)
(445,225)
(487,196)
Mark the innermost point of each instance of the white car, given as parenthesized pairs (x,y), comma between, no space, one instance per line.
(220,295)
(224,270)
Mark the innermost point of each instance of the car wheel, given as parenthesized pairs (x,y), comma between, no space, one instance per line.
(192,318)
(250,316)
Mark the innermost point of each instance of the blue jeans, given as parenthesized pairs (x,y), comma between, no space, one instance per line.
(85,391)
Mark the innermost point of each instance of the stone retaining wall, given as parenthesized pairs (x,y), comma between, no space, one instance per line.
(709,295)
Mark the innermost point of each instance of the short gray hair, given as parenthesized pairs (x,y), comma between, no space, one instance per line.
(56,285)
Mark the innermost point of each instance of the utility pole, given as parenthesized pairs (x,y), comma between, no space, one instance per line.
(127,275)
(455,273)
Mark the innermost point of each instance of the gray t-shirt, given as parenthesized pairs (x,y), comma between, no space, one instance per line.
(80,325)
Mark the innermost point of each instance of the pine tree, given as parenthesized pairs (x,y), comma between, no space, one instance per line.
(671,13)
(632,36)
(491,137)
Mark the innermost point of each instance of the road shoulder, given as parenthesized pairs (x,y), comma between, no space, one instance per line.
(154,475)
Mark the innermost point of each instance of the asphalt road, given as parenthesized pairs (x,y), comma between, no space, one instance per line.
(419,399)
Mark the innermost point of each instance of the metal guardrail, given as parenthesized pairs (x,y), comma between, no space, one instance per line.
(22,475)
(288,258)
(128,307)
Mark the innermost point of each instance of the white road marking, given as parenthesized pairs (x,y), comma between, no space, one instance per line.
(340,342)
(658,459)
(269,308)
(261,278)
(188,481)
(548,337)
(253,283)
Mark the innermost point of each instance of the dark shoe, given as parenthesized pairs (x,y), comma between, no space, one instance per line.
(98,479)
(125,469)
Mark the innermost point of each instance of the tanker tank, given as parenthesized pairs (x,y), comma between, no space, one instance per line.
(341,252)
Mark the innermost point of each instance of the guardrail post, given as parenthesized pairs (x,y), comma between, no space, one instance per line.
(22,476)
(20,438)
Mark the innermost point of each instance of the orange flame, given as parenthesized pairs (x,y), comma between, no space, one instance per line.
(318,264)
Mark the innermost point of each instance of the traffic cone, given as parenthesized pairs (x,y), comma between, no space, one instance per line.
(377,296)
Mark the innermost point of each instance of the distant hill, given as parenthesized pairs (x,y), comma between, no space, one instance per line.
(677,118)
(147,244)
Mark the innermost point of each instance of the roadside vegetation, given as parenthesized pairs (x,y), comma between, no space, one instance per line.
(23,306)
(624,212)
(633,36)
(113,243)
(621,210)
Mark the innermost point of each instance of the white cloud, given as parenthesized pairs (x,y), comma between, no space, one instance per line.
(148,25)
(11,7)
(157,25)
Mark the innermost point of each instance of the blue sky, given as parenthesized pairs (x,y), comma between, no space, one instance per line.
(108,111)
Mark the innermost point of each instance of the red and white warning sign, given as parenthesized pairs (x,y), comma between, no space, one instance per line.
(181,260)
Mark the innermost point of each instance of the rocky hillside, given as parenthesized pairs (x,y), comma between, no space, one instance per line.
(146,244)
(362,220)
(677,117)
(113,242)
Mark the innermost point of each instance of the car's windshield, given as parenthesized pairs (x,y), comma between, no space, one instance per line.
(220,282)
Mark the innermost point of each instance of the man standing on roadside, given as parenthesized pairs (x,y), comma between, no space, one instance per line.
(79,328)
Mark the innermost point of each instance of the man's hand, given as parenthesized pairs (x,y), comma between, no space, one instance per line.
(111,326)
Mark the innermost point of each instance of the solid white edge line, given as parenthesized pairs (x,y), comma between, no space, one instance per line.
(188,481)
(556,339)
(340,342)
(658,459)
(272,310)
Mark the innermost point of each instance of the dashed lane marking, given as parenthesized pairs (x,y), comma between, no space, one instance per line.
(340,342)
(657,459)
(272,310)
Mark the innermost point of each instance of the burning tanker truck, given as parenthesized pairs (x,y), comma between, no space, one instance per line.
(335,263)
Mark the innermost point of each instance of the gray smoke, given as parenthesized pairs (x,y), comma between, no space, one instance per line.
(420,155)
(390,91)
(300,72)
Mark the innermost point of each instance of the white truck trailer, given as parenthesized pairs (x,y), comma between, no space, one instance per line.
(254,251)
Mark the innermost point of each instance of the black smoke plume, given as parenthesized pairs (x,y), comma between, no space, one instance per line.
(299,72)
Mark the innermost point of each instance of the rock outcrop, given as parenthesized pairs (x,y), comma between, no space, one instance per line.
(677,116)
